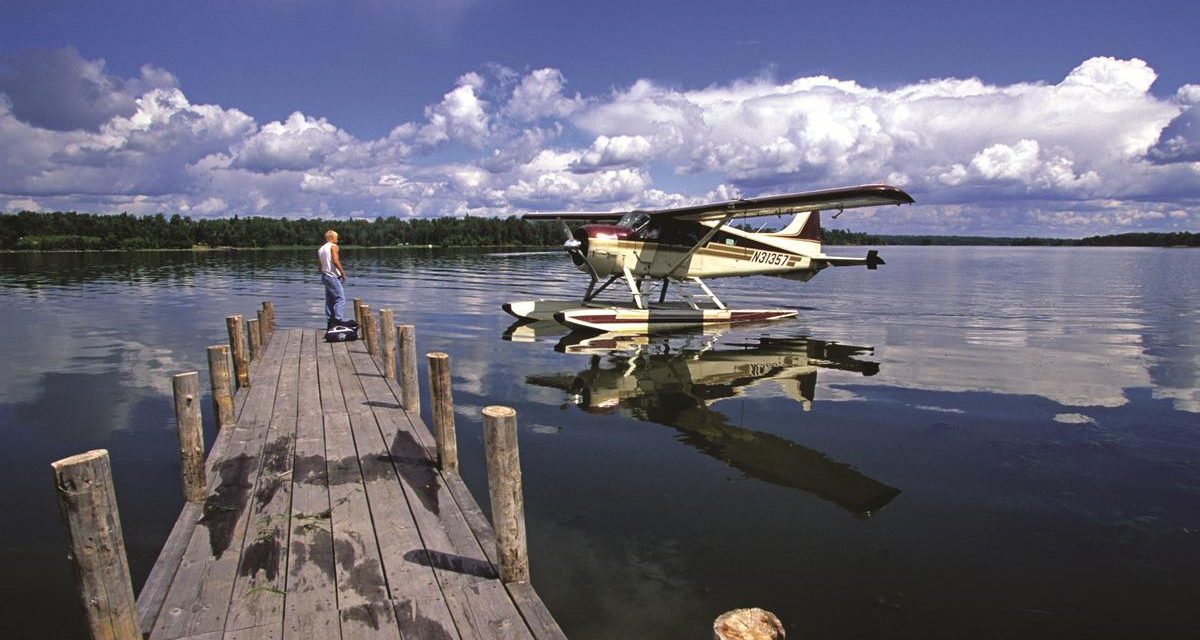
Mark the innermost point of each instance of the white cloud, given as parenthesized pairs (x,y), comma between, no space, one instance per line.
(297,144)
(461,116)
(58,89)
(1091,153)
(617,150)
(22,204)
(1180,140)
(540,95)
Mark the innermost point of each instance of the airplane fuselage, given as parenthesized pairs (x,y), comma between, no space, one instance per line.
(611,249)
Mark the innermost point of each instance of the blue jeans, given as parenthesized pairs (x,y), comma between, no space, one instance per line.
(335,298)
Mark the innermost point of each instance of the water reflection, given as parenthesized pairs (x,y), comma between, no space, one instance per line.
(677,380)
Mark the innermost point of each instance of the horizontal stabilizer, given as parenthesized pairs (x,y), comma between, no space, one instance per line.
(871,261)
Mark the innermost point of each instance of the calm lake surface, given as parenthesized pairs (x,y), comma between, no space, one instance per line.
(967,443)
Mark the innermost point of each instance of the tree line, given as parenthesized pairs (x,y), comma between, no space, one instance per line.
(69,230)
(31,231)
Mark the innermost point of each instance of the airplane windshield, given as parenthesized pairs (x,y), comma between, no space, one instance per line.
(633,220)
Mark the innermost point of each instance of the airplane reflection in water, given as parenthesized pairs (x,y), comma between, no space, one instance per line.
(674,380)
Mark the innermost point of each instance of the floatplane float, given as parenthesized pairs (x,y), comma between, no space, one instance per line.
(682,246)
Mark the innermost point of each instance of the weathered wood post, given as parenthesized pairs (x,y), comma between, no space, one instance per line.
(96,546)
(504,487)
(191,435)
(387,342)
(748,624)
(369,333)
(254,333)
(269,307)
(264,327)
(409,391)
(237,347)
(442,410)
(222,384)
(358,312)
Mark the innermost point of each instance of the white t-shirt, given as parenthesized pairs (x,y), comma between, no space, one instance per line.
(325,255)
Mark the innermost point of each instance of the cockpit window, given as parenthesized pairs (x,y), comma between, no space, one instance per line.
(633,220)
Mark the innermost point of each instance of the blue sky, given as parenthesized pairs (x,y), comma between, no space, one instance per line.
(1042,118)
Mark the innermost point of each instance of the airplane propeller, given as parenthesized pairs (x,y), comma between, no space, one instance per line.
(571,244)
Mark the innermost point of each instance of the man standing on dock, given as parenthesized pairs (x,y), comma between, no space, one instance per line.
(333,275)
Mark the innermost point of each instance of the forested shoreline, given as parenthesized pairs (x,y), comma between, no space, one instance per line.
(70,231)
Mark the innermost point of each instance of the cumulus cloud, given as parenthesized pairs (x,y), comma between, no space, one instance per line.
(540,95)
(1180,140)
(617,150)
(460,116)
(58,89)
(936,134)
(1086,154)
(299,143)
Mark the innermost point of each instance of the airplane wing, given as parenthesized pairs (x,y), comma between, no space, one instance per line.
(576,216)
(828,199)
(870,195)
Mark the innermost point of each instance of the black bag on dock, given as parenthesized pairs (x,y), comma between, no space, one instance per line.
(340,333)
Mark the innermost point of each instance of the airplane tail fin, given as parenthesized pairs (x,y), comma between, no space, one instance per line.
(805,226)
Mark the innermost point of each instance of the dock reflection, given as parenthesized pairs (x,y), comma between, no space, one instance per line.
(675,381)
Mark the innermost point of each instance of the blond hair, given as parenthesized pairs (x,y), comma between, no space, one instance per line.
(331,235)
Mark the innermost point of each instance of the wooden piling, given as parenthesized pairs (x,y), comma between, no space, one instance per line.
(269,308)
(410,393)
(358,312)
(369,331)
(748,624)
(95,544)
(237,347)
(254,334)
(222,384)
(387,342)
(186,387)
(264,328)
(504,487)
(442,411)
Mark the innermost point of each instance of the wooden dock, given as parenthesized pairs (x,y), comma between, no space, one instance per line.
(327,517)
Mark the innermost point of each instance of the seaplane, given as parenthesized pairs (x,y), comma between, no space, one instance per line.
(678,248)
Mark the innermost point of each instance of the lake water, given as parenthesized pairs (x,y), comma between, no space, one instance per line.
(969,442)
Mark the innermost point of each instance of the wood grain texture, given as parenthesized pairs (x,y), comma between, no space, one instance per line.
(310,601)
(327,517)
(504,488)
(362,592)
(258,586)
(420,608)
(154,590)
(96,545)
(411,391)
(254,337)
(220,380)
(441,398)
(198,600)
(478,602)
(237,348)
(387,339)
(186,390)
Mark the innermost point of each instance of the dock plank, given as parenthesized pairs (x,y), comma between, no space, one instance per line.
(419,604)
(258,587)
(362,594)
(310,609)
(198,600)
(537,617)
(154,590)
(328,518)
(477,599)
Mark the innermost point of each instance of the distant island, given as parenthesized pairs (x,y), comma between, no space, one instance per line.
(70,231)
